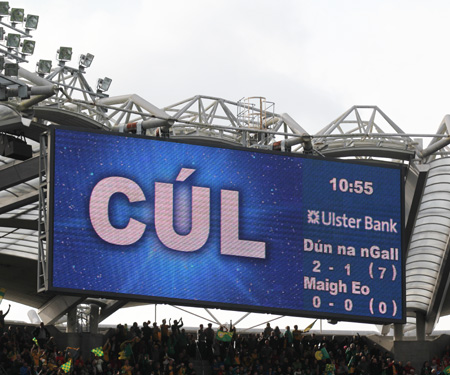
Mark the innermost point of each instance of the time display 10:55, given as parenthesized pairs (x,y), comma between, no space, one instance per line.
(358,187)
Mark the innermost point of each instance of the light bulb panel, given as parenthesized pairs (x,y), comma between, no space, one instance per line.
(31,21)
(64,54)
(28,47)
(44,66)
(13,40)
(104,84)
(86,60)
(11,69)
(4,8)
(17,15)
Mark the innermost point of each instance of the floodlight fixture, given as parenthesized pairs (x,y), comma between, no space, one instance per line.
(86,60)
(17,15)
(2,33)
(64,54)
(2,62)
(28,47)
(13,40)
(12,69)
(31,21)
(43,67)
(4,8)
(103,84)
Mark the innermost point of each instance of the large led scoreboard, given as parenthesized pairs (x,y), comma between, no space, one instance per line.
(242,229)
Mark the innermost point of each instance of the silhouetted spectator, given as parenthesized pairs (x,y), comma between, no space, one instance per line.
(147,333)
(164,332)
(209,333)
(2,319)
(135,330)
(42,335)
(176,327)
(267,331)
(156,333)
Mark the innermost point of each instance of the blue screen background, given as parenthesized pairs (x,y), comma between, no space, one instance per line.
(275,193)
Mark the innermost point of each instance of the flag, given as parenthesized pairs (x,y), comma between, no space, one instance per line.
(329,368)
(2,294)
(98,351)
(122,355)
(127,352)
(67,366)
(307,329)
(36,341)
(325,353)
(73,352)
(447,370)
(224,336)
(351,362)
(322,354)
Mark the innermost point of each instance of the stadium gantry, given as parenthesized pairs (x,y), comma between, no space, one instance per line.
(61,96)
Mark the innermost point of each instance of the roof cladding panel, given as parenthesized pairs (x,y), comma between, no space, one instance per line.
(428,249)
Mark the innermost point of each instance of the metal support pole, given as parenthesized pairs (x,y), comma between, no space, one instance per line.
(72,320)
(398,332)
(420,326)
(94,319)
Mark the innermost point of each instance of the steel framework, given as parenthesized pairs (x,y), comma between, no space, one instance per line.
(43,220)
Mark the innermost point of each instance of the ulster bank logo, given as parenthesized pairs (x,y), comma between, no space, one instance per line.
(313,217)
(332,219)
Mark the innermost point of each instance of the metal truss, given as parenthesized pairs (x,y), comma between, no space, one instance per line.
(250,122)
(364,132)
(244,123)
(439,145)
(42,274)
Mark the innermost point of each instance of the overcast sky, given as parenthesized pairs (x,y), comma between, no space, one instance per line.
(314,59)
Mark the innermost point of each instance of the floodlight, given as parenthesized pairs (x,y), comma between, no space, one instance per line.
(28,47)
(11,69)
(4,8)
(103,84)
(44,66)
(17,15)
(31,21)
(2,62)
(13,40)
(64,54)
(2,33)
(86,60)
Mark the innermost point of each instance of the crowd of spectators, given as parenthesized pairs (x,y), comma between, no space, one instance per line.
(168,349)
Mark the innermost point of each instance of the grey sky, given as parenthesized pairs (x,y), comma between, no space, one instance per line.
(314,59)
